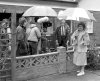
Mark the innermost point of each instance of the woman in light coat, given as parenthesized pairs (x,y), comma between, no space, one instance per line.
(80,40)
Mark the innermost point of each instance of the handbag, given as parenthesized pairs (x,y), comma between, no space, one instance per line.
(22,49)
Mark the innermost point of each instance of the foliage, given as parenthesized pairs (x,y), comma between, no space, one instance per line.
(93,59)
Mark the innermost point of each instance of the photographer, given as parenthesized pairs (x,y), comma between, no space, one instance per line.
(44,41)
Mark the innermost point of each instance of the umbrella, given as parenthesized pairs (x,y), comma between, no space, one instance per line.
(78,14)
(61,15)
(40,11)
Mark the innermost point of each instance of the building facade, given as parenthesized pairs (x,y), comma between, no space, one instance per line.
(94,7)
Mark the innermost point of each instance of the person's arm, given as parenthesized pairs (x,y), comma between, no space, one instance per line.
(67,35)
(38,33)
(73,38)
(17,30)
(86,39)
(56,36)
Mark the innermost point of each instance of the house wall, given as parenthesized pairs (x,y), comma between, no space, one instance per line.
(94,6)
(96,27)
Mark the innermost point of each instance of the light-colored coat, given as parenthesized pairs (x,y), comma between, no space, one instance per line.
(33,33)
(80,40)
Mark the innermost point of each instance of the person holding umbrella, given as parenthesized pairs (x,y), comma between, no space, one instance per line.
(80,41)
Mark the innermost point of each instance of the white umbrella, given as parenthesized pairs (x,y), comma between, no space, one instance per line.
(61,15)
(40,11)
(78,14)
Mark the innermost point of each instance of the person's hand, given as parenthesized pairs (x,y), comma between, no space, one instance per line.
(57,43)
(76,37)
(67,43)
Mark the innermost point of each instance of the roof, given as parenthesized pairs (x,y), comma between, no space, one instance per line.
(20,6)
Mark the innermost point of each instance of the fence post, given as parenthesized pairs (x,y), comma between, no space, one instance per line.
(13,45)
(62,59)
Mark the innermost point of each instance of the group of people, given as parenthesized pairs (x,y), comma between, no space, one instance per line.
(30,40)
(29,36)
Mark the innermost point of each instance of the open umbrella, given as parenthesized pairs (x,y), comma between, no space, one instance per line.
(78,14)
(40,11)
(61,15)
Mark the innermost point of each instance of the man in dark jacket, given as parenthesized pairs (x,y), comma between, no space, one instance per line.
(62,34)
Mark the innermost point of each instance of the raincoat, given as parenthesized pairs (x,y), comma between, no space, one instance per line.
(80,40)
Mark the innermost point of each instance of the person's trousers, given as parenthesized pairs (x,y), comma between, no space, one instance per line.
(21,48)
(63,42)
(33,47)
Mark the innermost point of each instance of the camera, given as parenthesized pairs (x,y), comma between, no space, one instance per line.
(47,24)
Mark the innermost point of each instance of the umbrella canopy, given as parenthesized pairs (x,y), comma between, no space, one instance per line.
(61,15)
(78,14)
(40,11)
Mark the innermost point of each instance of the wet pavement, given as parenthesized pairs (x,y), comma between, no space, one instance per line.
(89,76)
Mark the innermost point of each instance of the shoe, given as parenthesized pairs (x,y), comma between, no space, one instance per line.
(81,73)
(78,71)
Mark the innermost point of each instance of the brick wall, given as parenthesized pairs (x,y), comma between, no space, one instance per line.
(96,27)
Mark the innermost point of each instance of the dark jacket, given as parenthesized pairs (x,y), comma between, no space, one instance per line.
(20,33)
(59,36)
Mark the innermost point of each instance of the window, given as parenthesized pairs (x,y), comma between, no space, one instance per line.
(89,25)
